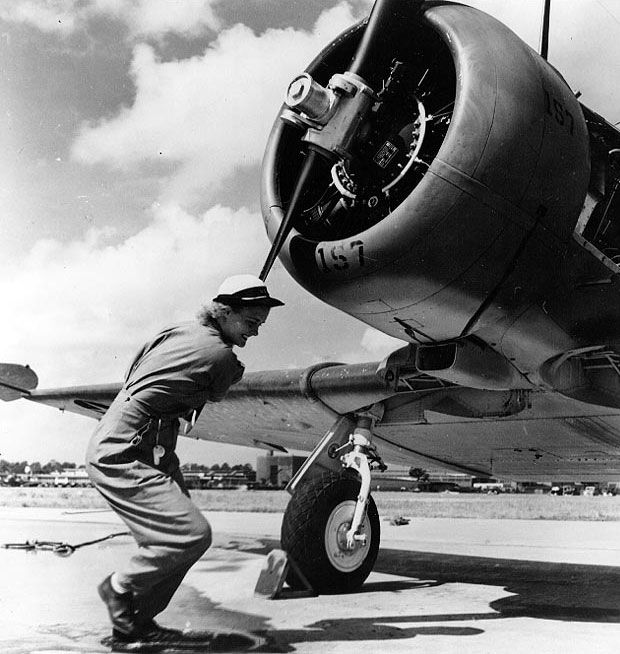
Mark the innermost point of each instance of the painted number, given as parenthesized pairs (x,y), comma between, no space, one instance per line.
(341,256)
(559,113)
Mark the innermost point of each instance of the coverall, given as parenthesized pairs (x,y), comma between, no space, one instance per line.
(172,376)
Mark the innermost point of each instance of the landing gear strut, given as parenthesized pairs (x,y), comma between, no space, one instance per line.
(331,525)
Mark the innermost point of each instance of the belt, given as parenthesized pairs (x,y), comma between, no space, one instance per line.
(160,422)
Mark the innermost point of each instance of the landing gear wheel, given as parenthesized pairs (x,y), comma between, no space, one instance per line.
(314,530)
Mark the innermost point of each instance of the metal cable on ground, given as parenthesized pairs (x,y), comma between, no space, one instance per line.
(58,547)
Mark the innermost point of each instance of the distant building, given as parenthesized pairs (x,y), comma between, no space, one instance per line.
(71,477)
(222,479)
(276,471)
(397,478)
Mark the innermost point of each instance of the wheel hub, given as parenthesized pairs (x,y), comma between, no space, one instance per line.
(338,524)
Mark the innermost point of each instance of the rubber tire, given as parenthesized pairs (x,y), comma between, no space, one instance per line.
(303,533)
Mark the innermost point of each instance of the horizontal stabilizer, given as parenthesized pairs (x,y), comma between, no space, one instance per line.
(16,381)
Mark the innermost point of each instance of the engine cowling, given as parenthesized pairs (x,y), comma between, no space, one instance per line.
(473,142)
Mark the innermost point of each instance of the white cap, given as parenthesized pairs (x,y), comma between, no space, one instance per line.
(240,290)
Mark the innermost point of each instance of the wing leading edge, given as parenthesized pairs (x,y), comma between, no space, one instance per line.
(514,434)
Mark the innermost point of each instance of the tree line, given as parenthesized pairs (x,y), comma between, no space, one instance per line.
(36,468)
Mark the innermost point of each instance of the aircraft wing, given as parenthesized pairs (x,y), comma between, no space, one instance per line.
(426,421)
(92,401)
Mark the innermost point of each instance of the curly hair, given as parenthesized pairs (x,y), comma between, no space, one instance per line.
(211,311)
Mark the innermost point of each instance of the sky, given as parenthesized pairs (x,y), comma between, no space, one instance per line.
(131,138)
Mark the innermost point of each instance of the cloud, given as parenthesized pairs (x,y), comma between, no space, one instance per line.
(144,18)
(77,311)
(59,16)
(205,113)
(96,302)
(157,17)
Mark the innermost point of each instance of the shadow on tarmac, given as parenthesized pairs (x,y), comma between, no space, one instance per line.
(542,590)
(545,590)
(362,629)
(381,628)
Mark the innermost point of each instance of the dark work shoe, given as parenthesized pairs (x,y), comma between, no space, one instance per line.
(120,608)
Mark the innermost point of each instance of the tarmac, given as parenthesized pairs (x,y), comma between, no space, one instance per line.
(439,585)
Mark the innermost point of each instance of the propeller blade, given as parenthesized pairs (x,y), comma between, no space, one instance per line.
(387,19)
(287,223)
